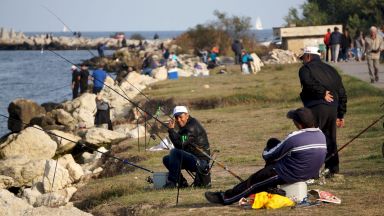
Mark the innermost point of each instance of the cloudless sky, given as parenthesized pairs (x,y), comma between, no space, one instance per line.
(135,15)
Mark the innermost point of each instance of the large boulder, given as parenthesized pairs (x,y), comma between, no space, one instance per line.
(98,136)
(66,144)
(256,63)
(36,198)
(22,170)
(85,116)
(138,132)
(67,210)
(12,205)
(63,117)
(74,169)
(136,78)
(31,143)
(160,73)
(21,111)
(56,177)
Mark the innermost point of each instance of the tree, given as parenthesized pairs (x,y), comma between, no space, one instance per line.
(355,14)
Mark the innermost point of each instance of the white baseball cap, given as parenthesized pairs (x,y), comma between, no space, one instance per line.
(178,110)
(310,50)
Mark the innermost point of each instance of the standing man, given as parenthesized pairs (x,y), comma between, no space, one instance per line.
(190,141)
(75,81)
(98,77)
(327,40)
(298,157)
(323,92)
(84,76)
(373,47)
(236,48)
(335,42)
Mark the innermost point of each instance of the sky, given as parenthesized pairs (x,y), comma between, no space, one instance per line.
(134,15)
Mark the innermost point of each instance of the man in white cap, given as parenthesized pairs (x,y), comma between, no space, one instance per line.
(373,46)
(323,92)
(189,141)
(75,81)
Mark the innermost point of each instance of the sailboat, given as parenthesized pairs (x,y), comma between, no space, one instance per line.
(258,25)
(65,29)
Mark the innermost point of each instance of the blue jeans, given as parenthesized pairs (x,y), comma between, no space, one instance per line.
(173,160)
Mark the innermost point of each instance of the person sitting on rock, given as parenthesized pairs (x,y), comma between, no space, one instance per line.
(148,64)
(246,60)
(102,115)
(189,142)
(298,157)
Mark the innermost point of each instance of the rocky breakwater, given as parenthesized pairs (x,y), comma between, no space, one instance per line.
(11,40)
(36,163)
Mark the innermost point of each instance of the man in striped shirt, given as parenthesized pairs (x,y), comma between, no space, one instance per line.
(298,157)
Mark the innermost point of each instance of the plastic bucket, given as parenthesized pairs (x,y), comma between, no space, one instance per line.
(296,191)
(173,75)
(159,179)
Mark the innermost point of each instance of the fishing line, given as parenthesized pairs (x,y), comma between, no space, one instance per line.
(64,25)
(82,144)
(162,123)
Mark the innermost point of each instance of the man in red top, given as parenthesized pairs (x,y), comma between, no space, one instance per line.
(327,38)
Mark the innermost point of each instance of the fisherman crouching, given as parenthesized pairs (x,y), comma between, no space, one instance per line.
(189,142)
(298,157)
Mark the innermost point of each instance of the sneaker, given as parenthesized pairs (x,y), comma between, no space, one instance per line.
(214,197)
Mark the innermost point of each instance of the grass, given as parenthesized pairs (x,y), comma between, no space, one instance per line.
(240,112)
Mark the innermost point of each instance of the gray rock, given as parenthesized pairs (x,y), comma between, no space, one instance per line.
(12,205)
(99,136)
(21,111)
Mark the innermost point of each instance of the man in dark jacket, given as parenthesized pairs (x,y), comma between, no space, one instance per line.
(323,92)
(298,157)
(237,47)
(75,81)
(335,42)
(190,141)
(84,77)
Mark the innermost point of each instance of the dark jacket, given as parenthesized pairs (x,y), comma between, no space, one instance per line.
(195,136)
(299,156)
(336,38)
(76,77)
(237,47)
(316,78)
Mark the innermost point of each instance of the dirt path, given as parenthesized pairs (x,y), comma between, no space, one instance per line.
(360,71)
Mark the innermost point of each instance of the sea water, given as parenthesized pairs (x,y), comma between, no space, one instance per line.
(42,76)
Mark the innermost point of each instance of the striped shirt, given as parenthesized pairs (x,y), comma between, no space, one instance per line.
(299,156)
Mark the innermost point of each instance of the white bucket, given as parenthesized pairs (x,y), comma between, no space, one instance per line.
(159,179)
(296,191)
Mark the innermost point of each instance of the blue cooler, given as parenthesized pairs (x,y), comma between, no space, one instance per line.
(173,74)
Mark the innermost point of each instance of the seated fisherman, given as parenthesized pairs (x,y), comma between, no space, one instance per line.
(189,141)
(298,157)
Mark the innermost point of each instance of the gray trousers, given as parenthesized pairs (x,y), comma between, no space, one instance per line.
(335,52)
(373,68)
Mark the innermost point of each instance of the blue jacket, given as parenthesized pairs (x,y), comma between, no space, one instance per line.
(299,156)
(99,76)
(336,38)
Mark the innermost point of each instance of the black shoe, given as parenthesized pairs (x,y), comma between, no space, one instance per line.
(214,197)
(183,183)
(377,79)
(372,80)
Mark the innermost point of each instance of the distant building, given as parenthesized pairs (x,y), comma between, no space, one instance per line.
(295,38)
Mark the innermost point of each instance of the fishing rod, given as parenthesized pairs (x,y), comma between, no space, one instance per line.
(162,123)
(82,144)
(355,137)
(51,12)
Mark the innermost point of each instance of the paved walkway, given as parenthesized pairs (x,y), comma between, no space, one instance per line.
(360,71)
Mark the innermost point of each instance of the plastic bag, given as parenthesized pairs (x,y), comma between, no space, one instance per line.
(271,201)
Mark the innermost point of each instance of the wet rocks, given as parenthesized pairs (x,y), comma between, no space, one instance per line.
(21,111)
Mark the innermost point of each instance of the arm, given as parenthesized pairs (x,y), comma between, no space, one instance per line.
(342,106)
(277,152)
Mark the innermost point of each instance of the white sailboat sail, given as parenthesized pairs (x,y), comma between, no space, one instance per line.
(258,25)
(65,29)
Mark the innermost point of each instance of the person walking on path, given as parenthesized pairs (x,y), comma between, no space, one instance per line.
(323,92)
(190,136)
(373,46)
(298,157)
(335,42)
(327,40)
(75,81)
(98,76)
(359,45)
(84,77)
